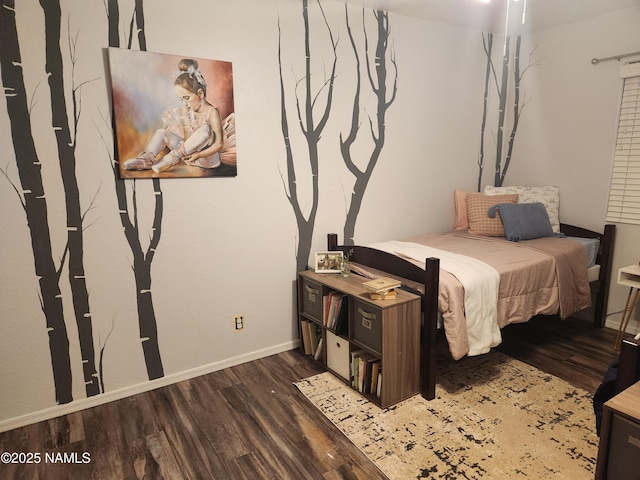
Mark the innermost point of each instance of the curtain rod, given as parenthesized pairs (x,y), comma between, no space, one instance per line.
(595,61)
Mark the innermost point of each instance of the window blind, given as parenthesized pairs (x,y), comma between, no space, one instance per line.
(624,193)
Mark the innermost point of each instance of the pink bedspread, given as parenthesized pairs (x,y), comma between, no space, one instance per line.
(541,276)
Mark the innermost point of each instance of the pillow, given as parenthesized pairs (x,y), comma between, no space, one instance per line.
(549,196)
(480,223)
(524,221)
(460,201)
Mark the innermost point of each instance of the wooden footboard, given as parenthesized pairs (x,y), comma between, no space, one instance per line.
(430,278)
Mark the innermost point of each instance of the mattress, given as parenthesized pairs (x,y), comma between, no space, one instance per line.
(541,276)
(591,246)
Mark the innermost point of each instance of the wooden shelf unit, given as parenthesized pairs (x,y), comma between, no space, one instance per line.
(387,330)
(619,449)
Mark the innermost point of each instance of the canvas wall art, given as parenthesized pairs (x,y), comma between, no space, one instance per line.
(174,115)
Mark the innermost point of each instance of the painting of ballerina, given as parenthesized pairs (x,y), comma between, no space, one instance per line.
(174,115)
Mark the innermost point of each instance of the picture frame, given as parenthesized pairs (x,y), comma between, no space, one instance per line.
(328,262)
(168,110)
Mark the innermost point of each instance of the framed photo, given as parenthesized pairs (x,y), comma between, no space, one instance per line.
(328,262)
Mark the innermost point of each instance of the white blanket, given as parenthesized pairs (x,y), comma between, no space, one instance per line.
(480,282)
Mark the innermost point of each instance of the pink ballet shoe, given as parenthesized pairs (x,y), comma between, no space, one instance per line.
(166,162)
(144,161)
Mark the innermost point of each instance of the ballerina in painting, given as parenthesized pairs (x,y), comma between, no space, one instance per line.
(193,133)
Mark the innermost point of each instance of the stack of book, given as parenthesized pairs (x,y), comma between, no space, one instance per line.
(381,288)
(335,312)
(366,372)
(311,338)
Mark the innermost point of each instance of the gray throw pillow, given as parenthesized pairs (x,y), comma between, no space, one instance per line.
(523,221)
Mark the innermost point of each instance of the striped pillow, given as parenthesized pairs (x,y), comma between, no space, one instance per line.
(479,221)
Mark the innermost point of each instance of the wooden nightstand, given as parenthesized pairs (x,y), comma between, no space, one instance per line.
(619,450)
(630,277)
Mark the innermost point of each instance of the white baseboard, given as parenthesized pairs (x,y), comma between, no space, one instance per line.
(632,328)
(81,404)
(611,323)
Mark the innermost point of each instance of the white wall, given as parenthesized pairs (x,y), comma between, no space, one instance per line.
(228,244)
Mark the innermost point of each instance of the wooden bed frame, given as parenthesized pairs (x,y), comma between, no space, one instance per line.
(430,276)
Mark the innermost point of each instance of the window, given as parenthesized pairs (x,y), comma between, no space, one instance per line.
(624,195)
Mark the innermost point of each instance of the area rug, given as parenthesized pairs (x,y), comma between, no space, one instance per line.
(493,417)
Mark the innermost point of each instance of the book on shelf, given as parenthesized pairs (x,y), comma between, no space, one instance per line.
(375,373)
(366,370)
(311,336)
(304,331)
(353,367)
(341,324)
(336,304)
(330,301)
(318,353)
(381,285)
(335,312)
(326,304)
(390,295)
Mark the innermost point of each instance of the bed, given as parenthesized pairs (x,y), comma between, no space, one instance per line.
(550,275)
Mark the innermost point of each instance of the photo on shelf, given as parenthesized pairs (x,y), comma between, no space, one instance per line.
(328,262)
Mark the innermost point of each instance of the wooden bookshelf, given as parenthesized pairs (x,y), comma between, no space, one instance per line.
(384,332)
(619,449)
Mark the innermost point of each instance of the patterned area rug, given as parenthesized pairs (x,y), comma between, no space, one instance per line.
(493,417)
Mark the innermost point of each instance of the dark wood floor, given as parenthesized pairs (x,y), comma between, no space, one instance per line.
(250,422)
(571,349)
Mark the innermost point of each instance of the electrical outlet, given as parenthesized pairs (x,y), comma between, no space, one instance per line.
(238,321)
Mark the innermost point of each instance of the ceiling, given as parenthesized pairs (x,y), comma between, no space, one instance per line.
(491,15)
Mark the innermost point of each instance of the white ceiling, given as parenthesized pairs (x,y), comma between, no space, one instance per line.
(491,16)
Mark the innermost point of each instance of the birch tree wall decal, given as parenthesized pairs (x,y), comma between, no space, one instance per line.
(503,153)
(312,130)
(487,43)
(502,107)
(128,211)
(378,77)
(66,143)
(34,202)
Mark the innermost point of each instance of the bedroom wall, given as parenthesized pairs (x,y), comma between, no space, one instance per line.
(569,128)
(228,245)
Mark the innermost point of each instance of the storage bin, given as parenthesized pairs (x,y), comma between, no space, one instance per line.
(367,326)
(338,355)
(312,299)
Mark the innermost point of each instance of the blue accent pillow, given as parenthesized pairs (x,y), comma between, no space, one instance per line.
(523,221)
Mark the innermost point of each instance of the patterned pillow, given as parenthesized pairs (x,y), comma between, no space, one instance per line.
(462,216)
(549,196)
(480,223)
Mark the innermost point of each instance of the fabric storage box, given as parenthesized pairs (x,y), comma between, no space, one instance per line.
(312,299)
(367,326)
(338,355)
(624,449)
